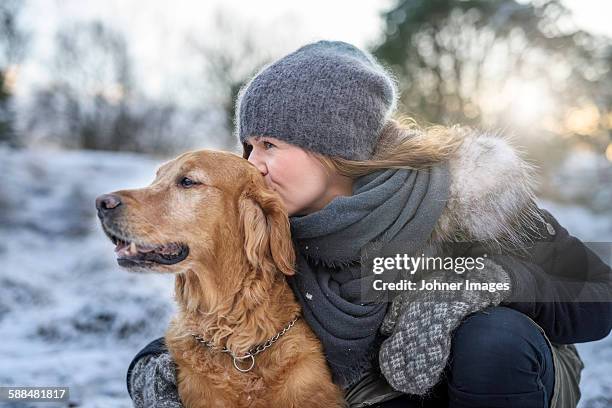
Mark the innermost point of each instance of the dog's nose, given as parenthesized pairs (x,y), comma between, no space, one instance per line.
(107,202)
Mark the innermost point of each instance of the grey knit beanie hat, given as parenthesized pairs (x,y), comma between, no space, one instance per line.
(328,97)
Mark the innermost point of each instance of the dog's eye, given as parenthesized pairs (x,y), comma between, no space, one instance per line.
(186,182)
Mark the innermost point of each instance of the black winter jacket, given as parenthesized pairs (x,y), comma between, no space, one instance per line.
(563,285)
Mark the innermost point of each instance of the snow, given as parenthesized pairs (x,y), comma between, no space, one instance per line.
(580,179)
(69,316)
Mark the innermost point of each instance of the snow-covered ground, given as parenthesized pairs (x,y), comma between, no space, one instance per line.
(69,316)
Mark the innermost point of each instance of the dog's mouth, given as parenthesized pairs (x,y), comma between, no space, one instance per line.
(130,253)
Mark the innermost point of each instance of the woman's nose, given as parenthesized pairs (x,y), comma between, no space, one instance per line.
(259,164)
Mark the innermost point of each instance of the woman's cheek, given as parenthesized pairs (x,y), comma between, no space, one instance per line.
(288,203)
(281,193)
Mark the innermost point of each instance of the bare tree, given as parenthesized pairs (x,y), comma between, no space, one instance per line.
(230,57)
(92,84)
(12,47)
(455,59)
(93,102)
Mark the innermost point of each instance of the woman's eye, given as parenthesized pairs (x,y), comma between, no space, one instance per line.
(187,182)
(268,145)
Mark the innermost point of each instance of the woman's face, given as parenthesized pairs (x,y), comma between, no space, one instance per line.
(299,178)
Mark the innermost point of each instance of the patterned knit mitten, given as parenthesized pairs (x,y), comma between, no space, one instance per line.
(153,383)
(420,325)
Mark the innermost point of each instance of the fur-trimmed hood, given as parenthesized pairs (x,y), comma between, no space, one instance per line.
(491,195)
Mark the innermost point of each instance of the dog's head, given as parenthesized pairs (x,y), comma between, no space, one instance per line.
(203,205)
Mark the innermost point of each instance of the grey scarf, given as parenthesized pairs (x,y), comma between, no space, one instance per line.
(386,207)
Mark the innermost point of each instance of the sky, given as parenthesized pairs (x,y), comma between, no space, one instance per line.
(158,30)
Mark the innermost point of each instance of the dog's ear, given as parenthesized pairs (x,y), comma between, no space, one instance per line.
(266,227)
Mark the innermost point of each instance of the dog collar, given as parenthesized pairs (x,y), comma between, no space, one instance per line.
(252,351)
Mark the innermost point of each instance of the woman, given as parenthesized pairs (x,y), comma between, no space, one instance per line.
(317,124)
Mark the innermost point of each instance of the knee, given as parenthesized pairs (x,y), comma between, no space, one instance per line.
(499,349)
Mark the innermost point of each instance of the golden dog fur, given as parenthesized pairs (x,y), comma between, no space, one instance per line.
(231,288)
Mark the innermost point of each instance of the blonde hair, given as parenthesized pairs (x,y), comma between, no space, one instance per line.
(403,144)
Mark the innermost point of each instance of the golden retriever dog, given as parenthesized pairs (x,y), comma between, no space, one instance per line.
(237,339)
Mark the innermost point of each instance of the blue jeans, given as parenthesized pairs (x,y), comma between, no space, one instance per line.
(499,358)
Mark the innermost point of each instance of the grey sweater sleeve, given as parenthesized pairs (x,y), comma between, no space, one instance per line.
(153,382)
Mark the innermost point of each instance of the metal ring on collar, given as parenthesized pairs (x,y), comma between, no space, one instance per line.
(242,370)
